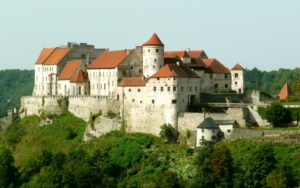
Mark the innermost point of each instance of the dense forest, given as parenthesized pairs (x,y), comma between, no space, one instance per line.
(17,83)
(54,155)
(13,85)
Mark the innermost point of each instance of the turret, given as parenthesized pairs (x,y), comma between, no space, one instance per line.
(153,56)
(238,78)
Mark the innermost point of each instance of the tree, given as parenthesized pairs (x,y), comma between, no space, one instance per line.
(277,114)
(7,171)
(168,133)
(221,167)
(261,163)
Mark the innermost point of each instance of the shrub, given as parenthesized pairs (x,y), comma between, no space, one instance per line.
(168,133)
(111,114)
(277,114)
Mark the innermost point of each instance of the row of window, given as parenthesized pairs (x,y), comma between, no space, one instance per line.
(156,50)
(102,86)
(217,86)
(174,88)
(46,69)
(174,101)
(103,74)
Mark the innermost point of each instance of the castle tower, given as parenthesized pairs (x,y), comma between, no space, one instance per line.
(238,78)
(153,56)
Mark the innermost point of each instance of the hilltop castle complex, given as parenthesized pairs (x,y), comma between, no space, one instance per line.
(147,85)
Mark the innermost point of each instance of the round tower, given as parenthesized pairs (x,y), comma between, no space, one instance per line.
(238,79)
(153,56)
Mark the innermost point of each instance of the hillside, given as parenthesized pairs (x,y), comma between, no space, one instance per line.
(55,156)
(13,85)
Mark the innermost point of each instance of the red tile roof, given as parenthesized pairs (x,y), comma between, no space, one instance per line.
(80,76)
(109,59)
(285,92)
(195,53)
(45,53)
(215,66)
(56,56)
(69,69)
(176,54)
(237,67)
(173,70)
(132,82)
(153,41)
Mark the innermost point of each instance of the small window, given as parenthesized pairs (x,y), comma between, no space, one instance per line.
(216,85)
(174,88)
(131,67)
(133,100)
(190,88)
(154,88)
(202,130)
(195,88)
(155,60)
(139,90)
(211,76)
(129,90)
(157,50)
(235,83)
(226,86)
(228,130)
(226,76)
(161,88)
(153,66)
(149,50)
(153,101)
(174,78)
(141,102)
(236,75)
(181,88)
(157,78)
(174,101)
(169,88)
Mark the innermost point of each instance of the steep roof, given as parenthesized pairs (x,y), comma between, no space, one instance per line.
(195,53)
(132,82)
(45,53)
(80,76)
(215,66)
(69,69)
(109,59)
(176,54)
(56,56)
(285,92)
(237,67)
(153,41)
(208,123)
(173,70)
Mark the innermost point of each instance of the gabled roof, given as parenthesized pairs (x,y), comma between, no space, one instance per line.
(56,56)
(109,59)
(80,76)
(215,66)
(69,69)
(208,123)
(153,41)
(195,53)
(176,54)
(285,92)
(237,67)
(174,70)
(45,53)
(132,82)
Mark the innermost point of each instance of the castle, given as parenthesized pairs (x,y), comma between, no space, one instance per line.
(147,85)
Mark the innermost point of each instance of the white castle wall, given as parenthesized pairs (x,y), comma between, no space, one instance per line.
(81,106)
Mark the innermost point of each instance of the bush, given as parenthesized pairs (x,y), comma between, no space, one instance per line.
(168,133)
(111,114)
(277,114)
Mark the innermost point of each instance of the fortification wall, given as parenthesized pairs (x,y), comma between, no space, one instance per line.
(81,106)
(36,105)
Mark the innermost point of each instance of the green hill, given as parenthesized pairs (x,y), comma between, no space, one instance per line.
(54,155)
(13,85)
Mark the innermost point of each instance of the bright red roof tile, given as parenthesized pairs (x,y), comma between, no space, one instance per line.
(237,67)
(109,59)
(153,41)
(215,66)
(285,92)
(176,54)
(56,56)
(195,53)
(80,76)
(173,70)
(132,82)
(45,53)
(69,69)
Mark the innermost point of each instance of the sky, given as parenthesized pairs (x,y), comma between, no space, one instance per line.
(254,33)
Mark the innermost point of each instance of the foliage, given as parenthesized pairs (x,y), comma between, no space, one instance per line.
(277,114)
(13,85)
(7,170)
(168,133)
(111,114)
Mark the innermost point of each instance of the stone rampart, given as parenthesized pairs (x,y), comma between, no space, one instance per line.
(36,105)
(81,106)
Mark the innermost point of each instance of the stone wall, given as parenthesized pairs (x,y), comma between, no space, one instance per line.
(35,105)
(81,106)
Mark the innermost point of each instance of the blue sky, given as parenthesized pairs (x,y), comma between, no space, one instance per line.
(257,33)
